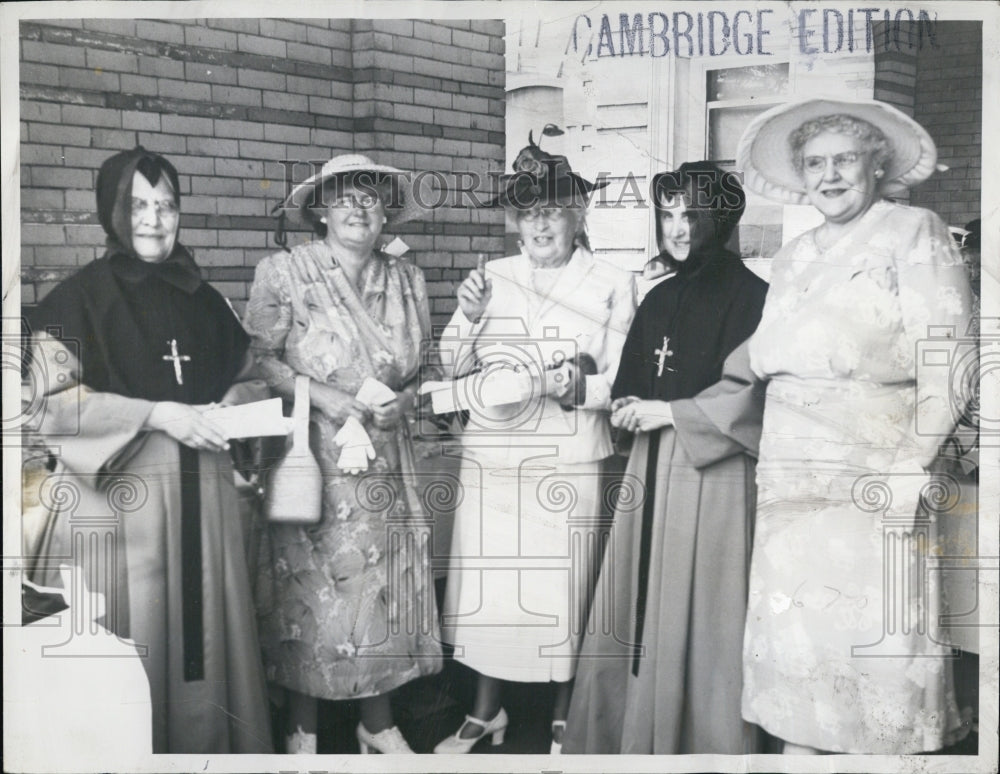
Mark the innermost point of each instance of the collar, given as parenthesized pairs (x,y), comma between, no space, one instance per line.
(177,269)
(707,263)
(562,293)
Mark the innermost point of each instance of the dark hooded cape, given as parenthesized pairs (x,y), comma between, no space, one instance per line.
(704,313)
(171,561)
(663,672)
(120,313)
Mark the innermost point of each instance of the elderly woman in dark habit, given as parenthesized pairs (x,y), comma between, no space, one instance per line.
(531,466)
(347,608)
(853,419)
(136,345)
(661,665)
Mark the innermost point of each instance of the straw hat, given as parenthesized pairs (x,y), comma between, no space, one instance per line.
(764,153)
(401,208)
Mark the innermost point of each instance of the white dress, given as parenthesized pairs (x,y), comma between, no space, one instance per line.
(842,651)
(524,540)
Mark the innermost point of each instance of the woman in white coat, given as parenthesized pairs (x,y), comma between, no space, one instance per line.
(555,318)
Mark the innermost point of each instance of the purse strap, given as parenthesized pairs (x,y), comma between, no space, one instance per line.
(300,413)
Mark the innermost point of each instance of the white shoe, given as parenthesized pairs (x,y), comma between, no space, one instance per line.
(556,748)
(456,744)
(389,741)
(300,742)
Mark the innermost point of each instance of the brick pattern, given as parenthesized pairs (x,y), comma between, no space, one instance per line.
(226,100)
(895,72)
(948,103)
(437,88)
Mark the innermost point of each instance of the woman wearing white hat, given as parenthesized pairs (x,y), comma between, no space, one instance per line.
(840,652)
(347,613)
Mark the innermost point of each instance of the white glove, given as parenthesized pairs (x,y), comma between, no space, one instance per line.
(355,447)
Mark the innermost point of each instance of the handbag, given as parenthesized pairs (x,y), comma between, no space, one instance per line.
(294,490)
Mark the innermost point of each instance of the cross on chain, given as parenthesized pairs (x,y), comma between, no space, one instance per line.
(662,354)
(178,359)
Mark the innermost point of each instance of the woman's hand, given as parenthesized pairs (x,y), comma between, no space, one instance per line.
(474,294)
(621,403)
(337,404)
(186,425)
(641,416)
(906,480)
(388,415)
(245,392)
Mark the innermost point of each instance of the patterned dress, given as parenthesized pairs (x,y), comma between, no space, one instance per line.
(841,652)
(347,606)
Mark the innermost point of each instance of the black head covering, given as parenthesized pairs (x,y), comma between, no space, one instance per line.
(974,237)
(714,196)
(114,210)
(114,188)
(124,317)
(543,178)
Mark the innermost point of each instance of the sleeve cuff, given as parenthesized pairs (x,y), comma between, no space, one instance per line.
(598,393)
(703,442)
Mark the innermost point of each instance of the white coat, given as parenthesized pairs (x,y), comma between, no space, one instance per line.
(523,554)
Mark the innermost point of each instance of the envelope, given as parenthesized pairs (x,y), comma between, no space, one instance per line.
(250,420)
(497,387)
(374,393)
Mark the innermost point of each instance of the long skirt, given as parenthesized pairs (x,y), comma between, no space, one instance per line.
(674,685)
(177,586)
(524,549)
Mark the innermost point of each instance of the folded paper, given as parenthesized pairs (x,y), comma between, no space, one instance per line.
(374,393)
(250,420)
(496,387)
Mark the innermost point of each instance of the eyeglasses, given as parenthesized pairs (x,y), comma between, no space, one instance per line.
(551,214)
(840,161)
(164,208)
(362,201)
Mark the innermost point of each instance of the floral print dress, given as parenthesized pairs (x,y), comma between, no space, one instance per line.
(346,606)
(841,650)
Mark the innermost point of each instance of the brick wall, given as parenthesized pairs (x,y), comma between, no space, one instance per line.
(226,100)
(939,82)
(948,103)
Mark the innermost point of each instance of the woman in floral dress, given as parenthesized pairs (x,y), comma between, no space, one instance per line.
(347,606)
(841,651)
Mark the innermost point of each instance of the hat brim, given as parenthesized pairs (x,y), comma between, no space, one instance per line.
(764,153)
(524,190)
(402,207)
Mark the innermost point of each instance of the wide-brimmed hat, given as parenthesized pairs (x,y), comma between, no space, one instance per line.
(400,207)
(541,177)
(764,153)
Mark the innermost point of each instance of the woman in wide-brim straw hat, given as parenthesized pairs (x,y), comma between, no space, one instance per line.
(532,466)
(347,611)
(829,663)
